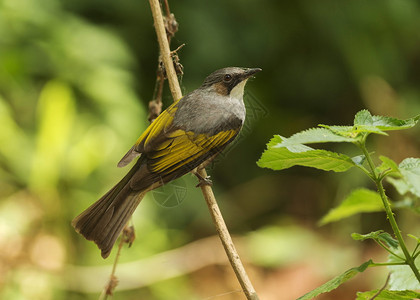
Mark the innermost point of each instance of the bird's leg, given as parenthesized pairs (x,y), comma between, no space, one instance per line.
(201,180)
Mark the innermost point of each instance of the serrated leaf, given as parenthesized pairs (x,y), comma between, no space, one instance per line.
(314,135)
(369,129)
(388,123)
(379,235)
(277,157)
(388,295)
(364,122)
(277,140)
(402,277)
(359,201)
(354,131)
(345,131)
(388,163)
(410,169)
(337,281)
(363,117)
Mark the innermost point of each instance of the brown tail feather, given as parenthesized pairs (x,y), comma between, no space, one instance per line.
(104,220)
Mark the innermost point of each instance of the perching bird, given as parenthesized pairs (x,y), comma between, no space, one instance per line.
(184,137)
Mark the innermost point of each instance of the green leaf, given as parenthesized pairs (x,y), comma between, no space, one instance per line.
(388,166)
(410,169)
(337,281)
(388,123)
(359,201)
(401,185)
(402,277)
(354,131)
(277,157)
(388,295)
(389,163)
(369,129)
(314,135)
(345,131)
(363,117)
(277,139)
(389,240)
(414,237)
(359,159)
(379,235)
(366,120)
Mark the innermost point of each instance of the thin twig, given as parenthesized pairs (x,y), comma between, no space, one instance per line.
(382,288)
(168,11)
(177,49)
(164,49)
(155,105)
(127,237)
(207,191)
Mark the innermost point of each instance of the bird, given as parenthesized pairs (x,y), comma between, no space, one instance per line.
(184,138)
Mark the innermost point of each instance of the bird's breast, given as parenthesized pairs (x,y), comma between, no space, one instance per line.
(209,113)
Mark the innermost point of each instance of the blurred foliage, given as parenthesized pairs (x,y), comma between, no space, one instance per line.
(360,200)
(75,79)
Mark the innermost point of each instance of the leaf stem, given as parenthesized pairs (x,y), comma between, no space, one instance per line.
(365,171)
(409,260)
(414,251)
(389,250)
(388,264)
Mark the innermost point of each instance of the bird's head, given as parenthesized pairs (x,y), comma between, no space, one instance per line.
(229,81)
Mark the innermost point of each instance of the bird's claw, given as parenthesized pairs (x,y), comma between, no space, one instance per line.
(204,181)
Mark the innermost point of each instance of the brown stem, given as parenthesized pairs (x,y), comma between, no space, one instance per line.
(127,237)
(155,105)
(207,191)
(168,11)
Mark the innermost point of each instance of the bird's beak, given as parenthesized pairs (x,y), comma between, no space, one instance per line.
(249,72)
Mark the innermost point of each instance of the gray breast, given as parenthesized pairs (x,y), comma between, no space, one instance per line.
(205,111)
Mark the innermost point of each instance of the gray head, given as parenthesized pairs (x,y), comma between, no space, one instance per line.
(225,80)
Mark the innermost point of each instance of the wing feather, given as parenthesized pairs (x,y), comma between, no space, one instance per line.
(154,131)
(170,152)
(186,147)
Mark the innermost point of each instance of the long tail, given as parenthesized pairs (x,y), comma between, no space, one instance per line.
(104,220)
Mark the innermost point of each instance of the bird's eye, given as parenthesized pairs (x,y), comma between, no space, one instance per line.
(227,78)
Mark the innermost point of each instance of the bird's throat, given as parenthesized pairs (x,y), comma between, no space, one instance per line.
(237,92)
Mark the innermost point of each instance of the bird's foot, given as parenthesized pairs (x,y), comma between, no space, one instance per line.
(203,181)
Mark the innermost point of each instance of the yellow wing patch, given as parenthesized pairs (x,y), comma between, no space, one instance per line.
(185,147)
(159,126)
(166,149)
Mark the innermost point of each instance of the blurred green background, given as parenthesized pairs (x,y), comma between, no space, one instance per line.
(75,80)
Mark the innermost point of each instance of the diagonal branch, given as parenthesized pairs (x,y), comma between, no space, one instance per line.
(217,217)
